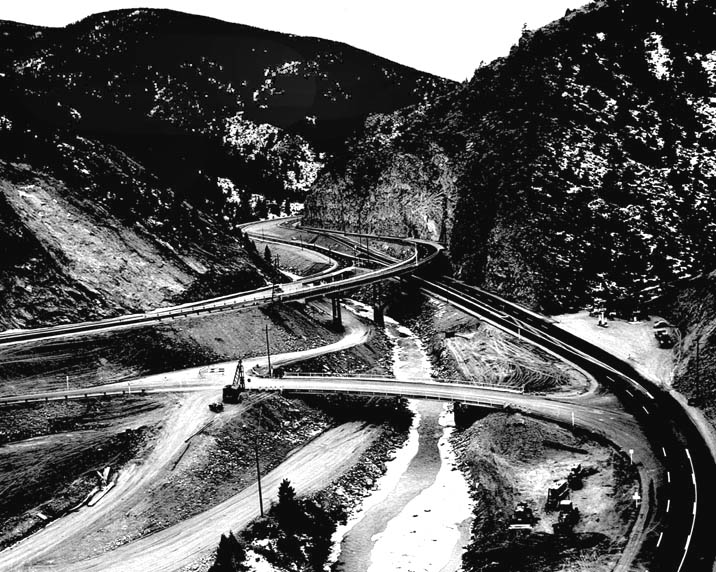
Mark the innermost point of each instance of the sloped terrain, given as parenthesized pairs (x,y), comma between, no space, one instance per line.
(221,111)
(133,143)
(512,459)
(581,164)
(70,254)
(693,310)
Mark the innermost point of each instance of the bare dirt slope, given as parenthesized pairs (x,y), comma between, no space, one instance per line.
(466,349)
(110,259)
(514,459)
(67,256)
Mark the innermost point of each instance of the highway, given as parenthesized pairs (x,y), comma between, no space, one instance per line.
(679,529)
(680,526)
(322,284)
(673,528)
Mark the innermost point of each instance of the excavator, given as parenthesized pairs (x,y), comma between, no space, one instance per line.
(232,393)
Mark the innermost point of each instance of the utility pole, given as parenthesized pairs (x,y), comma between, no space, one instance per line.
(268,351)
(258,464)
(67,382)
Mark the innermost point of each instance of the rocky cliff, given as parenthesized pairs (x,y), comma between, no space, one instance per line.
(133,143)
(581,164)
(692,308)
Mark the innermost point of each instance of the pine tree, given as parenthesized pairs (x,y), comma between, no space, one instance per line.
(287,509)
(230,555)
(267,255)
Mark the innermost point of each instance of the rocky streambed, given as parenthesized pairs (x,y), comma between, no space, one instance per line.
(418,517)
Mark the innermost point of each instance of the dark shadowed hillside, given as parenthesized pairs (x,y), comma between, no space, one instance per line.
(197,99)
(581,164)
(132,144)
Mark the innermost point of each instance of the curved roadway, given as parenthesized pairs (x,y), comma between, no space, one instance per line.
(679,528)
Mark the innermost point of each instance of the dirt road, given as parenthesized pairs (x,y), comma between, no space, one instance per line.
(309,469)
(185,420)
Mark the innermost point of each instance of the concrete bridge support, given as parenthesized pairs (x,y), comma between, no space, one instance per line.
(336,310)
(378,307)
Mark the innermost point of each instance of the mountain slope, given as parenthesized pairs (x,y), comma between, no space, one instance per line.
(133,143)
(196,99)
(581,164)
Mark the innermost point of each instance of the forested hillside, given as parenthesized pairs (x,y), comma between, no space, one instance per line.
(133,143)
(581,164)
(219,111)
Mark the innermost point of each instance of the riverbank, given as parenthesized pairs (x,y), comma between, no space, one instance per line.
(418,516)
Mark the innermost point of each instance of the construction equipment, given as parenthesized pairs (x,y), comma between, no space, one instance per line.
(575,478)
(216,407)
(523,518)
(568,517)
(232,393)
(555,495)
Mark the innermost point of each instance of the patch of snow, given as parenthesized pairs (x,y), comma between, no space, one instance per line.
(658,56)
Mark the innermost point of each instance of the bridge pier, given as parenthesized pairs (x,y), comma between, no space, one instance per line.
(336,311)
(378,317)
(378,307)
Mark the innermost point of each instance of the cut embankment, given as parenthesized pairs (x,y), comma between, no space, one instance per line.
(512,459)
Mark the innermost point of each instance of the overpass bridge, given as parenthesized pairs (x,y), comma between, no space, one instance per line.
(676,527)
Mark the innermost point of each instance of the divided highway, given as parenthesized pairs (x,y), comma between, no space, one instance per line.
(681,525)
(677,530)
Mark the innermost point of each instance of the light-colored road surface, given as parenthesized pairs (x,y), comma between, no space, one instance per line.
(184,421)
(309,469)
(619,427)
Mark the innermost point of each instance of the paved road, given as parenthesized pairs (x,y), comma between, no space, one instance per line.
(679,527)
(321,284)
(184,421)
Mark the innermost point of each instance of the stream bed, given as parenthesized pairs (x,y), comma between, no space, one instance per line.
(418,518)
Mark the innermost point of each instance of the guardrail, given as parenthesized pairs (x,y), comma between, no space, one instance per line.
(425,380)
(42,398)
(478,401)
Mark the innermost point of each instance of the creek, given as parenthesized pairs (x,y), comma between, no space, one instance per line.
(419,515)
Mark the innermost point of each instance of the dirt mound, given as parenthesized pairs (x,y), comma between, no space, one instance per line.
(515,437)
(509,459)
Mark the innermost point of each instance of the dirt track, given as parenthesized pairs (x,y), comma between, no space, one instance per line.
(343,447)
(333,453)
